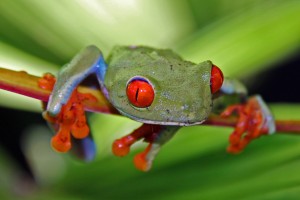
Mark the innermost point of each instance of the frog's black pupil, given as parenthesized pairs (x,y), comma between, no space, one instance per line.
(137,94)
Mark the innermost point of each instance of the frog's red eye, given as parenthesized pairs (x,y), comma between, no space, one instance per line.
(140,93)
(216,79)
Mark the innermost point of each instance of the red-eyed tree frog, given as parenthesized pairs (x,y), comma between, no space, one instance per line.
(161,90)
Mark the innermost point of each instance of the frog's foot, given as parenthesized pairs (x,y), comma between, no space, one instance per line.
(255,119)
(155,135)
(71,120)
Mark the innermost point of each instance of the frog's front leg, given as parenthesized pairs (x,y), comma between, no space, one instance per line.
(88,61)
(155,135)
(254,116)
(65,110)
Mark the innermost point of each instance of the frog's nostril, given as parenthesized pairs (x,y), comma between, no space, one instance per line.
(216,79)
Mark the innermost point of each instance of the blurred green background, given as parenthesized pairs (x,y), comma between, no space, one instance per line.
(247,39)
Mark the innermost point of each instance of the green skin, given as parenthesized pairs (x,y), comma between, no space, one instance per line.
(182,93)
(178,101)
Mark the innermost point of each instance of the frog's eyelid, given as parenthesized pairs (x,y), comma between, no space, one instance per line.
(142,78)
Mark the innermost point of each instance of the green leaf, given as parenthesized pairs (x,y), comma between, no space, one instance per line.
(248,40)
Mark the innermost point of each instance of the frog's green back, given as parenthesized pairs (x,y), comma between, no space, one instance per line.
(182,89)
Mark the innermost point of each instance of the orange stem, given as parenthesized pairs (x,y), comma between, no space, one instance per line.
(23,83)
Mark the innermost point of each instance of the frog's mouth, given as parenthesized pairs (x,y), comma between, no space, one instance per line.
(166,123)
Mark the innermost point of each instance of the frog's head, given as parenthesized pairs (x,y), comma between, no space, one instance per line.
(158,87)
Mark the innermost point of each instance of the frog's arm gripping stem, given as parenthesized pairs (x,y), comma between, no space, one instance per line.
(254,116)
(65,111)
(88,61)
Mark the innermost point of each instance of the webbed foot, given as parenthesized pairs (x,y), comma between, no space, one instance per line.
(71,120)
(254,120)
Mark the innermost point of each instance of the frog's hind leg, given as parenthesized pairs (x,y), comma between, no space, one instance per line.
(155,135)
(143,161)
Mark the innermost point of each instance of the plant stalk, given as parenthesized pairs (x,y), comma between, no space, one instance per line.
(25,84)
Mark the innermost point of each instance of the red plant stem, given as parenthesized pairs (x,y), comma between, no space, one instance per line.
(22,83)
(25,84)
(282,126)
